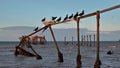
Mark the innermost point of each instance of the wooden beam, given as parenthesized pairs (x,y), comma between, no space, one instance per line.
(37,31)
(88,15)
(85,16)
(101,11)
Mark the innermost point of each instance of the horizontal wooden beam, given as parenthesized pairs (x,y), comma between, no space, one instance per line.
(101,11)
(89,15)
(84,16)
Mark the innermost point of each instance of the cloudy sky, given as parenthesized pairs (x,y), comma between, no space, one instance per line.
(30,12)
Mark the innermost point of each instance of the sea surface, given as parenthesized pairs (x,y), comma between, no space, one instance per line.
(69,51)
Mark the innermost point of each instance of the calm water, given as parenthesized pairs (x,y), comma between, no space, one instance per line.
(49,55)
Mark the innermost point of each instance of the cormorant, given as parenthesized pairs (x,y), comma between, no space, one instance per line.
(58,19)
(75,16)
(66,17)
(82,13)
(70,16)
(43,20)
(53,18)
(36,29)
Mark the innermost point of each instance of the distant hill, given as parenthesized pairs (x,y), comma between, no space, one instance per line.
(14,32)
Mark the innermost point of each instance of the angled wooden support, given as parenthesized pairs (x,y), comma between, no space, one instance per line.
(98,61)
(37,55)
(78,59)
(27,42)
(60,55)
(20,43)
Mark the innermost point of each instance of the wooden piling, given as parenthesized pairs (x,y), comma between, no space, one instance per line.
(94,39)
(60,55)
(87,40)
(90,40)
(81,40)
(84,40)
(72,39)
(78,40)
(65,40)
(98,61)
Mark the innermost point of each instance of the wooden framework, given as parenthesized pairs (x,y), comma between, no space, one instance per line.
(50,23)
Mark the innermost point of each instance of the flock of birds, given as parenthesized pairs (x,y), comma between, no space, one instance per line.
(66,17)
(60,18)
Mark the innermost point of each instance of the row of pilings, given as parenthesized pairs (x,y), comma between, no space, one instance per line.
(85,40)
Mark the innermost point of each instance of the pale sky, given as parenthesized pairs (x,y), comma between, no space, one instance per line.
(30,12)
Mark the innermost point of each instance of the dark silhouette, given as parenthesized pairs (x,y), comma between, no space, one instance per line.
(43,20)
(70,16)
(66,17)
(36,29)
(76,15)
(109,52)
(53,18)
(82,13)
(58,19)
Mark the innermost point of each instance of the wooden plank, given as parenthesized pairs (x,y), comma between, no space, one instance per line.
(85,16)
(101,11)
(36,31)
(89,15)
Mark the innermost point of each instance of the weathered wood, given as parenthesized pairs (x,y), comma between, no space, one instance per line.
(60,56)
(98,61)
(90,40)
(94,39)
(82,40)
(65,42)
(78,59)
(32,34)
(89,15)
(72,39)
(87,40)
(28,44)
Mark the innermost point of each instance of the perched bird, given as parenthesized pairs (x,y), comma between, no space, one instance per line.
(76,15)
(58,19)
(66,17)
(36,29)
(53,18)
(70,16)
(43,20)
(82,13)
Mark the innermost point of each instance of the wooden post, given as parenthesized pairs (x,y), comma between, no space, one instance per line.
(84,40)
(98,62)
(81,40)
(90,40)
(60,56)
(65,40)
(28,44)
(94,39)
(87,40)
(72,39)
(37,56)
(78,44)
